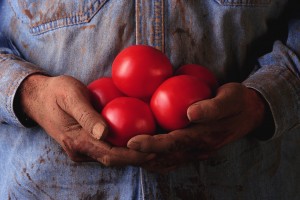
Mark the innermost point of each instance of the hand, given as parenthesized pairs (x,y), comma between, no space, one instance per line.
(234,112)
(62,107)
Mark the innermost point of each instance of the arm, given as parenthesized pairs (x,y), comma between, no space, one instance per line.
(60,105)
(237,110)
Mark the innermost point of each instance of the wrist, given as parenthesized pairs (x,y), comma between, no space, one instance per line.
(27,94)
(266,126)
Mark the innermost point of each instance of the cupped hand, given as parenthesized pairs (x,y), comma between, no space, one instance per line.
(234,112)
(61,106)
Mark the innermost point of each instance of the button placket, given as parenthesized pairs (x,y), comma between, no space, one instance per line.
(150,23)
(149,31)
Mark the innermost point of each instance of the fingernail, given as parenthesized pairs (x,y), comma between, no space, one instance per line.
(134,145)
(192,116)
(98,131)
(189,115)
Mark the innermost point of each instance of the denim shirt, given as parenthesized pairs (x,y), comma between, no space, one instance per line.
(255,42)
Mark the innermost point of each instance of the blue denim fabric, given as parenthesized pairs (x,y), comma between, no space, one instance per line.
(81,38)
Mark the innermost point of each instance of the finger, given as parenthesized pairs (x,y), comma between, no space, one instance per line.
(226,103)
(80,108)
(122,157)
(174,141)
(114,156)
(118,156)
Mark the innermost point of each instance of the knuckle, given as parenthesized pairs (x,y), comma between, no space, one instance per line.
(86,120)
(70,147)
(216,108)
(72,126)
(106,161)
(174,141)
(71,91)
(84,117)
(65,100)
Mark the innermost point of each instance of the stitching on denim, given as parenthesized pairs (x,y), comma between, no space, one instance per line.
(138,22)
(141,24)
(156,29)
(69,21)
(45,26)
(159,24)
(244,2)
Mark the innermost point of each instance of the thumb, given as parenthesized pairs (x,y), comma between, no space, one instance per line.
(202,111)
(226,103)
(82,111)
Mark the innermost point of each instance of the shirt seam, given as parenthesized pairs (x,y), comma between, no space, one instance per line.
(242,3)
(76,19)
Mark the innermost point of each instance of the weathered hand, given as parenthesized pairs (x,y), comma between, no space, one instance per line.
(234,112)
(62,107)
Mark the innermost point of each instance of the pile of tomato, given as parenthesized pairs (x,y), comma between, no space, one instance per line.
(145,93)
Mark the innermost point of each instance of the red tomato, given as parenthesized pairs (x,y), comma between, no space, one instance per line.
(102,91)
(128,117)
(138,70)
(172,98)
(199,71)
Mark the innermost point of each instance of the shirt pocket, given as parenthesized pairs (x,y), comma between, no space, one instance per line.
(44,15)
(244,2)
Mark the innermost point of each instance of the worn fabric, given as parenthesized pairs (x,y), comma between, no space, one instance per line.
(256,42)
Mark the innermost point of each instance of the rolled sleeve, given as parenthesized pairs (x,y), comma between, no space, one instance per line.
(13,70)
(277,80)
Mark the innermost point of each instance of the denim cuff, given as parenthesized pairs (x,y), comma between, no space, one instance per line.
(280,88)
(13,71)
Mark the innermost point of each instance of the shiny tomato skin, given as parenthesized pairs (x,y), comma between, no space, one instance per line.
(139,69)
(102,91)
(199,71)
(172,98)
(127,117)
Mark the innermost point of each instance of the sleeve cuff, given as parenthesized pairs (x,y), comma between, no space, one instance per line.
(13,71)
(280,88)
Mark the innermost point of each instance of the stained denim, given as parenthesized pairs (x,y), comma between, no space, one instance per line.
(239,40)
